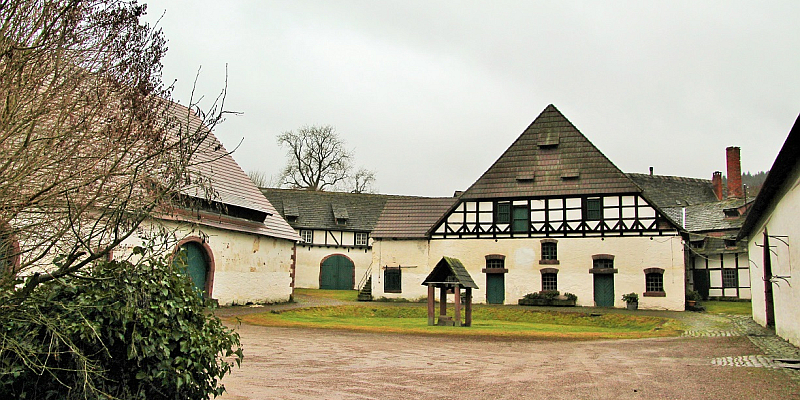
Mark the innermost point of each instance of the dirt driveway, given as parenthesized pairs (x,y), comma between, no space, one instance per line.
(283,363)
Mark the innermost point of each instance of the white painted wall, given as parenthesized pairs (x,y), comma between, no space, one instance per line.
(310,257)
(781,221)
(248,268)
(632,256)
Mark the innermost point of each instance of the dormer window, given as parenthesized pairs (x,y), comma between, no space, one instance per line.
(730,243)
(339,214)
(548,140)
(697,244)
(731,212)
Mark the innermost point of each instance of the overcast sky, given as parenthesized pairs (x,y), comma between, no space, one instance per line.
(430,93)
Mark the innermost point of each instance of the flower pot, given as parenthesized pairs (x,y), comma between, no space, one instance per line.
(691,303)
(633,305)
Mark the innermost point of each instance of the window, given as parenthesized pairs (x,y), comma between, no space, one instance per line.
(392,280)
(549,251)
(549,281)
(729,278)
(307,236)
(594,209)
(362,238)
(654,282)
(602,263)
(503,214)
(521,215)
(495,263)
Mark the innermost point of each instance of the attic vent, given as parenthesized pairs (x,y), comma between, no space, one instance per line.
(290,209)
(548,139)
(526,176)
(339,213)
(731,212)
(570,174)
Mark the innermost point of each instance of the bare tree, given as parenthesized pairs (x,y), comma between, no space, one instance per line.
(262,180)
(317,158)
(90,143)
(362,181)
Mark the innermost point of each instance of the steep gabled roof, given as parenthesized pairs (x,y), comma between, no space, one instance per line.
(550,158)
(708,217)
(411,217)
(450,269)
(675,191)
(230,185)
(320,210)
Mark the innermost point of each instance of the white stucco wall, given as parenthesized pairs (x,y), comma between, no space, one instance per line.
(247,267)
(310,257)
(780,221)
(632,256)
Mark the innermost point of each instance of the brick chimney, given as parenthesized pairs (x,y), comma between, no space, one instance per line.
(735,189)
(716,182)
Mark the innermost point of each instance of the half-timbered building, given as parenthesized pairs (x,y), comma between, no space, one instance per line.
(335,250)
(552,213)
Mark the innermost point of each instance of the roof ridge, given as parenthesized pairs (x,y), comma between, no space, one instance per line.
(670,177)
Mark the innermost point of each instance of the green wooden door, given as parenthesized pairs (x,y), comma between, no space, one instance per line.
(495,288)
(194,259)
(604,290)
(337,273)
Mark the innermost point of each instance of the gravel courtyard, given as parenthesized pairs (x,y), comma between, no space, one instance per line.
(719,358)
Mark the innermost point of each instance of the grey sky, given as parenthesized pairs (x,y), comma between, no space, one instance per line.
(430,93)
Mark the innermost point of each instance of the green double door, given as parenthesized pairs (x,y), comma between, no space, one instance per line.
(604,290)
(495,288)
(337,273)
(194,258)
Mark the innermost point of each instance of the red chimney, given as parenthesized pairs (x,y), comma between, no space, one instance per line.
(735,189)
(716,182)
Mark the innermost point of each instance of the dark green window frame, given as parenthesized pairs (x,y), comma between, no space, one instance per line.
(730,278)
(503,213)
(520,224)
(603,263)
(549,251)
(549,281)
(392,280)
(594,209)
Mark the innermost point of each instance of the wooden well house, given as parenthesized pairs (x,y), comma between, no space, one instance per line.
(449,276)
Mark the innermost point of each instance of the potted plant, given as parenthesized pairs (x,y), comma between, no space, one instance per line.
(632,300)
(692,297)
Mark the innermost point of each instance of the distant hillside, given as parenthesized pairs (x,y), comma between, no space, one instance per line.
(753,182)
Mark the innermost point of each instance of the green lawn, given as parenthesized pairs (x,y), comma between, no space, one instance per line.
(728,307)
(343,295)
(487,321)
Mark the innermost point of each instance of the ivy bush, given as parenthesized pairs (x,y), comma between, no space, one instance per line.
(126,331)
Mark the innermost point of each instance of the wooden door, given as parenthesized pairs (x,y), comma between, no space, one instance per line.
(604,290)
(495,288)
(337,273)
(701,282)
(194,259)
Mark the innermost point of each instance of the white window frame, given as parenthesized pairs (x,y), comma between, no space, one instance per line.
(361,239)
(307,235)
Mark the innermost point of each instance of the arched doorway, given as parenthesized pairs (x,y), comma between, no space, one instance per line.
(337,272)
(197,260)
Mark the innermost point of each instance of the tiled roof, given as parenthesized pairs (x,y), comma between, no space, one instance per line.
(319,210)
(411,217)
(550,158)
(230,184)
(708,217)
(674,191)
(450,269)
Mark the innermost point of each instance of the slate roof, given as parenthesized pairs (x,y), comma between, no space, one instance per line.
(319,210)
(707,217)
(230,184)
(675,191)
(450,269)
(550,158)
(411,217)
(774,186)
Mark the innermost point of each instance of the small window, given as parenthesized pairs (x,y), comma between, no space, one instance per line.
(521,216)
(730,243)
(594,209)
(697,244)
(495,263)
(362,238)
(729,278)
(503,214)
(392,280)
(731,212)
(549,251)
(307,236)
(654,282)
(603,263)
(549,281)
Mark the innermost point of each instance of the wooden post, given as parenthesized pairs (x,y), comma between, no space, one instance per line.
(457,301)
(468,312)
(443,301)
(431,304)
